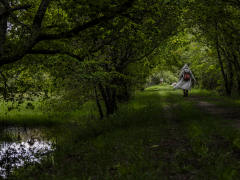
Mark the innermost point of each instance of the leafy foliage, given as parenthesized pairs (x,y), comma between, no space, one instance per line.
(167,76)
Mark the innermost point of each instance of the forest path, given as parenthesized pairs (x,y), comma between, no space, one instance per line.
(220,110)
(206,130)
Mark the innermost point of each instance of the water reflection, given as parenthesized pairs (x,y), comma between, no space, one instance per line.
(29,146)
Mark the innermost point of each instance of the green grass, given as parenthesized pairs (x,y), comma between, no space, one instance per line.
(34,117)
(204,92)
(141,141)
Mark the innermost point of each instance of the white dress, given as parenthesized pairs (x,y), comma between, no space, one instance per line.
(182,84)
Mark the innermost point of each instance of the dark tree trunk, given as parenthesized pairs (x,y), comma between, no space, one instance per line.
(109,98)
(228,90)
(104,95)
(126,93)
(113,100)
(98,104)
(227,87)
(108,93)
(231,74)
(237,68)
(123,95)
(3,30)
(232,62)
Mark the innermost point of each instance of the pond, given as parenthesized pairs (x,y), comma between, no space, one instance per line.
(26,145)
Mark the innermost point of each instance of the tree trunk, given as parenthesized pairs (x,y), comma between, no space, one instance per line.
(231,74)
(113,100)
(105,99)
(123,95)
(108,93)
(98,104)
(228,90)
(3,30)
(237,68)
(109,98)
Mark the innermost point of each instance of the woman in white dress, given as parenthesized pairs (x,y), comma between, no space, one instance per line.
(185,80)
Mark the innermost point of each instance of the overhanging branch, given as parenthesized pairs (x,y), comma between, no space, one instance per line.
(76,30)
(36,36)
(52,52)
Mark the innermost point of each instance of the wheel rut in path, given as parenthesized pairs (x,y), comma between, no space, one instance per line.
(231,114)
(173,140)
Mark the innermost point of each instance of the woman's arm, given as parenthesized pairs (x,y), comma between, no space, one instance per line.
(192,76)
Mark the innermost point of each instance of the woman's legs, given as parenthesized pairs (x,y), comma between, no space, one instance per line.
(184,94)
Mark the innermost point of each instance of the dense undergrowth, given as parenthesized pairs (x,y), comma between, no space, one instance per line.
(143,140)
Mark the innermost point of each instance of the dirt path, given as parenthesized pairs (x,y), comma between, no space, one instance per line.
(176,141)
(231,114)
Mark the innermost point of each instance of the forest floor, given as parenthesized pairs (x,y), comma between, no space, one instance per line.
(157,135)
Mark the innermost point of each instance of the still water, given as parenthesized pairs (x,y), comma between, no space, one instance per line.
(29,146)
